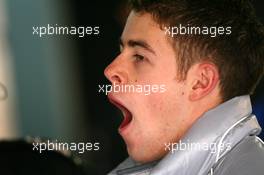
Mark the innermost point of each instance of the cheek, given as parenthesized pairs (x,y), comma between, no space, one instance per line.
(160,111)
(155,126)
(157,122)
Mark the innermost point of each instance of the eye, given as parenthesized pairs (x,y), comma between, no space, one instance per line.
(139,57)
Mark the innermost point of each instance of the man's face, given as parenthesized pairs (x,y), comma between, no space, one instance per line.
(147,58)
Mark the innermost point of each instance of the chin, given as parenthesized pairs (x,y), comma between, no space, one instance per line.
(143,157)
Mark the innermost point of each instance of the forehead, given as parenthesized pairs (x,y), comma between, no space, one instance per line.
(141,26)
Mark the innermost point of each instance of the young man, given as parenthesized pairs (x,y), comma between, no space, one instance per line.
(208,57)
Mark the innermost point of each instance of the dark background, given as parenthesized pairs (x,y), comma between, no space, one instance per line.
(94,55)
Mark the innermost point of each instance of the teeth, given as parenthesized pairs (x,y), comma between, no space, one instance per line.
(123,112)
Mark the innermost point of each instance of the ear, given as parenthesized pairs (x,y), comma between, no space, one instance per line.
(204,79)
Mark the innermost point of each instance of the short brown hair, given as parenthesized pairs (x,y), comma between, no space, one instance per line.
(238,56)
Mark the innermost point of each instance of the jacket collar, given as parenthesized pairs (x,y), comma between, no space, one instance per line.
(224,125)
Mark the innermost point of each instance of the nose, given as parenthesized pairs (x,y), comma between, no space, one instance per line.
(116,72)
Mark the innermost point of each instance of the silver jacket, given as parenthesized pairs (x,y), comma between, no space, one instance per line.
(230,127)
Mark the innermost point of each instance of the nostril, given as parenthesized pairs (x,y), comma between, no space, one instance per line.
(111,75)
(116,79)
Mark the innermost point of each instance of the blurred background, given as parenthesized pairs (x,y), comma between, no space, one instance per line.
(53,81)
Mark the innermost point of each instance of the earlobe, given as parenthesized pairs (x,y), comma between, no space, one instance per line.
(205,79)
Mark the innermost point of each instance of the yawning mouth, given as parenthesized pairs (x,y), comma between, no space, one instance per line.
(126,113)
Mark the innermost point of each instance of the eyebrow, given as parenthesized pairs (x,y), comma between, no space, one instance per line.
(138,43)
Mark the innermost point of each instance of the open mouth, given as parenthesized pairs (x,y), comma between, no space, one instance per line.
(126,113)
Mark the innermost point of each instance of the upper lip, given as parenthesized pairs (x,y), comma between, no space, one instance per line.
(112,99)
(116,102)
